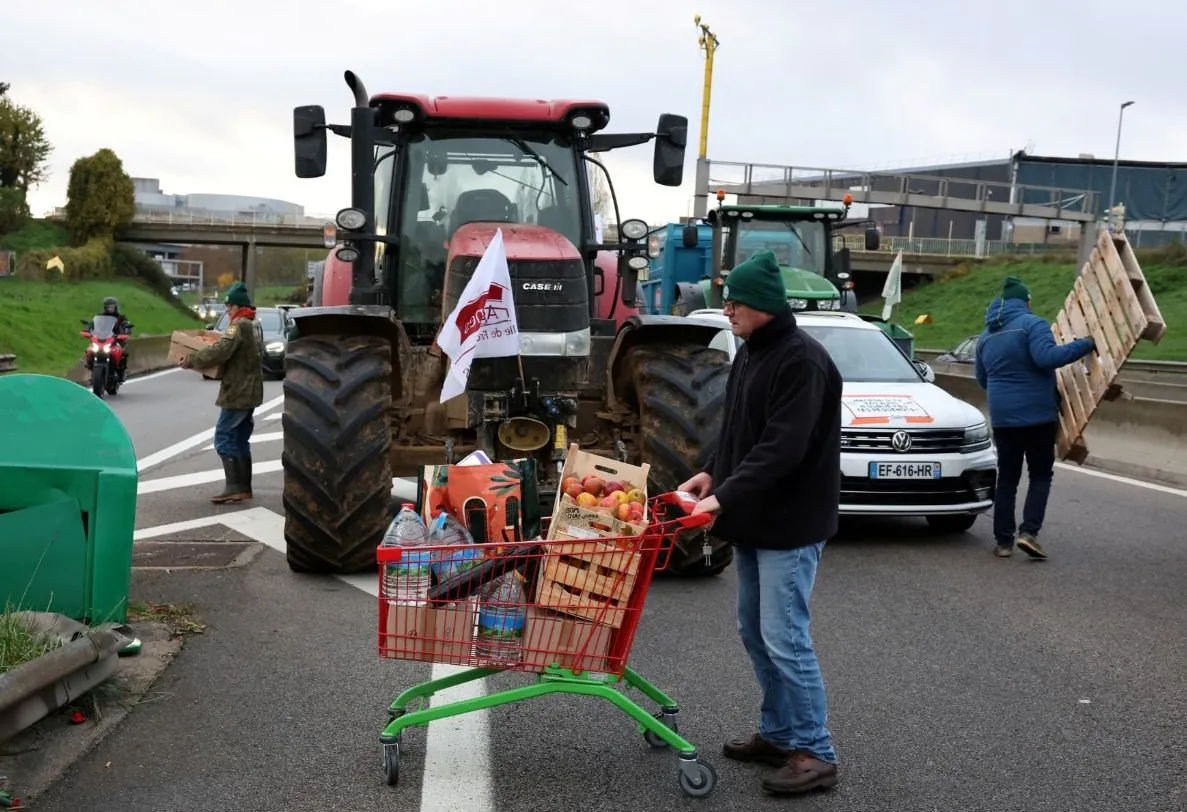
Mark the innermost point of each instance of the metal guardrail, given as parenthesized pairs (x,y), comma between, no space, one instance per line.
(7,363)
(944,247)
(184,217)
(1131,367)
(901,189)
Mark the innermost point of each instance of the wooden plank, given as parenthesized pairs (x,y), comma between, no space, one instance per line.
(1155,324)
(1082,323)
(1116,327)
(1118,280)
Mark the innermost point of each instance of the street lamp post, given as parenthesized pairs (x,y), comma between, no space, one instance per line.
(1116,158)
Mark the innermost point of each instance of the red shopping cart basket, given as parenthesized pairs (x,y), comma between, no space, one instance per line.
(564,609)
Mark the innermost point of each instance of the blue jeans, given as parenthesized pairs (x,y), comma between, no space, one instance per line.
(774,589)
(1036,445)
(232,433)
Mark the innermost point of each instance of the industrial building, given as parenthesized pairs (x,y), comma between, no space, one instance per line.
(1153,193)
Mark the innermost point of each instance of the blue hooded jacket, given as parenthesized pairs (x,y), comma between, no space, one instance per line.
(1016,361)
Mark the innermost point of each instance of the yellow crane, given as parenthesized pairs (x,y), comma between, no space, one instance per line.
(708,42)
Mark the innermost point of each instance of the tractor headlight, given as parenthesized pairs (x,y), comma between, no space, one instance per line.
(827,304)
(797,304)
(637,263)
(351,219)
(634,229)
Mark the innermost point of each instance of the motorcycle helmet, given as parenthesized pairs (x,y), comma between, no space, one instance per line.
(111,306)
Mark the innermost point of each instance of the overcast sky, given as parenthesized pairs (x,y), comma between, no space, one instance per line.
(200,94)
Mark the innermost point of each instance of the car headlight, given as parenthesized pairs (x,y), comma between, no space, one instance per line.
(274,346)
(976,437)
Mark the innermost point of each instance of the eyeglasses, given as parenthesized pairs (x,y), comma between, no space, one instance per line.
(727,308)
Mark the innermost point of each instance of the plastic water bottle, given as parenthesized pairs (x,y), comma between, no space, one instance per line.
(407,581)
(501,615)
(445,530)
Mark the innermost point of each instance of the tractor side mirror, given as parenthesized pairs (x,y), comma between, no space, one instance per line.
(873,239)
(309,141)
(689,236)
(671,136)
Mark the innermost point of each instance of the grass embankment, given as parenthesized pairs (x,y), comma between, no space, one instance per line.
(956,301)
(18,645)
(40,320)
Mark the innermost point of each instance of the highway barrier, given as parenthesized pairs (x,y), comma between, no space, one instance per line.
(1158,380)
(1144,438)
(145,354)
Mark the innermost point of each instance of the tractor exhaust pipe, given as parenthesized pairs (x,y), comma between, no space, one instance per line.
(361,99)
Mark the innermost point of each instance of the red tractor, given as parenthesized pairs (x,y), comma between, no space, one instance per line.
(433,178)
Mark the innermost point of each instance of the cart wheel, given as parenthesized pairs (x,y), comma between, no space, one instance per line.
(697,778)
(655,741)
(391,764)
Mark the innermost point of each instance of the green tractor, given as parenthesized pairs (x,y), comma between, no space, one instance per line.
(816,273)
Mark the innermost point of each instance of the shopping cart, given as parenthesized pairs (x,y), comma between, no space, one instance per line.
(579,602)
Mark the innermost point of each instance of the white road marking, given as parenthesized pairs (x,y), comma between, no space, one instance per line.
(1150,486)
(170,483)
(267,437)
(151,376)
(276,416)
(166,454)
(457,772)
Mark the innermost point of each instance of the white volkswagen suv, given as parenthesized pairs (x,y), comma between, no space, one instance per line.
(908,448)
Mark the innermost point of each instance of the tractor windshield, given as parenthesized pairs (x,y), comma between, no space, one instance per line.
(452,178)
(798,244)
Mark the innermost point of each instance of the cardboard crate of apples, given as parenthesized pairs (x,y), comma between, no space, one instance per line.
(621,500)
(599,496)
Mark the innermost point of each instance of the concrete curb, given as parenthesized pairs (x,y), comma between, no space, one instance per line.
(30,692)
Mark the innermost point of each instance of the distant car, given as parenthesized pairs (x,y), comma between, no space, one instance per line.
(963,353)
(908,448)
(275,324)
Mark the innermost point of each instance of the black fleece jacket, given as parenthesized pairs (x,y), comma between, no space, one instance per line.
(777,467)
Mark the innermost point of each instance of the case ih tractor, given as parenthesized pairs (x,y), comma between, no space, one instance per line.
(432,179)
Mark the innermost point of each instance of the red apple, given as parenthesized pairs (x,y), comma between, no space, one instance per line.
(594,485)
(612,486)
(574,489)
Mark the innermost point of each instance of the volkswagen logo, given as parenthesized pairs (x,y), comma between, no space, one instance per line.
(900,441)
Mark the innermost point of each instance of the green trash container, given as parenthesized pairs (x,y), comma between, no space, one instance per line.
(67,500)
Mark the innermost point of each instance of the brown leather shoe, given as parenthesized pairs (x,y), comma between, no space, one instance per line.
(802,772)
(756,749)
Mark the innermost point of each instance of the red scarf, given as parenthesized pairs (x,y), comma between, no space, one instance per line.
(243,313)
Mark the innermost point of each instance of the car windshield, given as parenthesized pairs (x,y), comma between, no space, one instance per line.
(270,321)
(454,178)
(796,244)
(867,356)
(102,326)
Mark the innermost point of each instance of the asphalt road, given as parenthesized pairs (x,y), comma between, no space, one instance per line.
(956,680)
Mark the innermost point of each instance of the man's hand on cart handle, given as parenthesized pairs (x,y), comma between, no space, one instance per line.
(699,486)
(707,507)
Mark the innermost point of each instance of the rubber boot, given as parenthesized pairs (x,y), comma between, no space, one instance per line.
(233,490)
(245,475)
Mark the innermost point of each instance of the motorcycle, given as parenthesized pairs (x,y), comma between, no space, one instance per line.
(105,355)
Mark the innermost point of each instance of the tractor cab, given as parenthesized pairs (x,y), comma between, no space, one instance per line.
(815,274)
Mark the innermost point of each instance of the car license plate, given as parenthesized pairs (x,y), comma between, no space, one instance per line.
(904,470)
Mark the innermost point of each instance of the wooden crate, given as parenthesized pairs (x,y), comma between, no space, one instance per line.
(589,579)
(1112,303)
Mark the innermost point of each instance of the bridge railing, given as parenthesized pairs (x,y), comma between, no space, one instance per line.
(250,219)
(944,247)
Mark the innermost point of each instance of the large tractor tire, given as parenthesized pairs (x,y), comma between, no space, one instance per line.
(680,393)
(337,474)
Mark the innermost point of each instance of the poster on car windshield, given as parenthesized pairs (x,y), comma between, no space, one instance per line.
(886,410)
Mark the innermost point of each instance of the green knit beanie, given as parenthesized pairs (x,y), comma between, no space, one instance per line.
(237,295)
(1015,289)
(757,283)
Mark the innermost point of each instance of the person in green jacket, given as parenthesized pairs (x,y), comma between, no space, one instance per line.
(240,391)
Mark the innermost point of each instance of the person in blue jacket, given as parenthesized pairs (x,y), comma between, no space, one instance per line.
(1015,364)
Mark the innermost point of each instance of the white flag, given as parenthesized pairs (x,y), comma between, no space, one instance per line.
(892,290)
(483,325)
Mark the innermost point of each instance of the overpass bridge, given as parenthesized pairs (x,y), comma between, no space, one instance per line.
(769,183)
(249,230)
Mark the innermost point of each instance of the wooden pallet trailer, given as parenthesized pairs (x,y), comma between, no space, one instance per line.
(1112,303)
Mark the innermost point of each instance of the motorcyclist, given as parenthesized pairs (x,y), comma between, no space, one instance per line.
(111,307)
